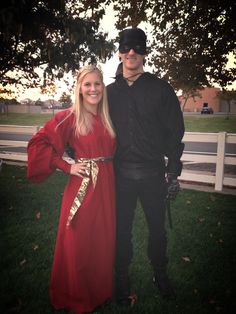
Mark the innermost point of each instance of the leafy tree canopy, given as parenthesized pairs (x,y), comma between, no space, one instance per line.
(56,35)
(65,99)
(190,40)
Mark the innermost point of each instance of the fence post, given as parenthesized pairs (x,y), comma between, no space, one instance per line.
(220,161)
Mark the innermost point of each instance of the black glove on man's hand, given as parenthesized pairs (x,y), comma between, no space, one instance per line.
(173,186)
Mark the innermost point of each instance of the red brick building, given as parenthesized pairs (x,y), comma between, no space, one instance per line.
(206,95)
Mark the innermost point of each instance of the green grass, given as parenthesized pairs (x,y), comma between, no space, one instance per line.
(24,118)
(201,250)
(206,123)
(193,123)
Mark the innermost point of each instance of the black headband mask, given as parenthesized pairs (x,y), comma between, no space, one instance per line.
(137,47)
(132,38)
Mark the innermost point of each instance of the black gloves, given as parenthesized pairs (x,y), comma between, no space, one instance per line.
(173,186)
(70,151)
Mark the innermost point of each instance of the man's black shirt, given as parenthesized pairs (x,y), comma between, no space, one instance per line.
(148,122)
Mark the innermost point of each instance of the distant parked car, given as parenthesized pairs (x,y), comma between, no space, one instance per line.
(207,110)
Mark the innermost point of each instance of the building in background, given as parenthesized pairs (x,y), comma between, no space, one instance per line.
(209,96)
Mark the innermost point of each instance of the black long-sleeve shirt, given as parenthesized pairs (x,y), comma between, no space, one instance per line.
(148,122)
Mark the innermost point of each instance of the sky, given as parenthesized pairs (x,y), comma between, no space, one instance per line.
(109,68)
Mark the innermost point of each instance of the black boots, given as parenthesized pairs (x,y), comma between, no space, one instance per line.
(123,296)
(164,285)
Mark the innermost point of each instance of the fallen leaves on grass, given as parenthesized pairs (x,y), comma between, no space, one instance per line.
(36,247)
(186,259)
(217,307)
(38,215)
(201,219)
(24,261)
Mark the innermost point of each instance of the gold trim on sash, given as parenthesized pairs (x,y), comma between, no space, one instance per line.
(91,172)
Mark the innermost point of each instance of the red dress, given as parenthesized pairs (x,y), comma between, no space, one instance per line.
(82,271)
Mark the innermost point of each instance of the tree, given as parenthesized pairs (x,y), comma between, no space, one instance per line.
(6,93)
(5,102)
(39,103)
(65,99)
(228,96)
(199,39)
(189,93)
(54,35)
(190,39)
(50,90)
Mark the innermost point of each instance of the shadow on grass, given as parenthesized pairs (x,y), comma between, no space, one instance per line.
(201,249)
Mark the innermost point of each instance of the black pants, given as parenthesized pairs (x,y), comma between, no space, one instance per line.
(151,191)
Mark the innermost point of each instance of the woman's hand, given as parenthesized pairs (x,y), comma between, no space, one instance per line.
(78,169)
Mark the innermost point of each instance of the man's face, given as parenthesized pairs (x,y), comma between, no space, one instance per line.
(132,60)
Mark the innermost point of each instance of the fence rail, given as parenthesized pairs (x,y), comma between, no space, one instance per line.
(218,178)
(26,129)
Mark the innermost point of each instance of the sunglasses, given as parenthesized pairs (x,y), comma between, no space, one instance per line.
(139,49)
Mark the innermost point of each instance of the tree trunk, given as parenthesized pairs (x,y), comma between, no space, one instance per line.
(185,101)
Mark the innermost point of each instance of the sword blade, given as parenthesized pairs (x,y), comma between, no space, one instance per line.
(169,213)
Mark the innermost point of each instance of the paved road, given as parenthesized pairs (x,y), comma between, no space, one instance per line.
(190,147)
(15,136)
(211,148)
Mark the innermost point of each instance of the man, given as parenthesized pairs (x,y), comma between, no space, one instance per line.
(149,127)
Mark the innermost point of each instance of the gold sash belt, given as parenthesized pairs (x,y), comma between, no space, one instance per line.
(91,172)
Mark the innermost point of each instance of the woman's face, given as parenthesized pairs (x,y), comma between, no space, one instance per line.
(92,90)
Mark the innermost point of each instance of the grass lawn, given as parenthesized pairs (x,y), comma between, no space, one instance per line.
(201,249)
(212,123)
(193,123)
(24,118)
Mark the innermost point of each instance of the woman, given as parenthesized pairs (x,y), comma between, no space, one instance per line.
(82,269)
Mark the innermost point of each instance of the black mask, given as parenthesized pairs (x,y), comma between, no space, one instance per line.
(132,38)
(138,48)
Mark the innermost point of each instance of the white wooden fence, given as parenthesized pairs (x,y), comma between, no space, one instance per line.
(218,179)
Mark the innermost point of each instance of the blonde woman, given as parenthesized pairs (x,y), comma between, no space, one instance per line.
(83,262)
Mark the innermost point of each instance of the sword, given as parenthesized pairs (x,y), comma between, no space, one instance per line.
(169,213)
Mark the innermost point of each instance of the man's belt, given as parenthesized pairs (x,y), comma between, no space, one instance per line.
(91,172)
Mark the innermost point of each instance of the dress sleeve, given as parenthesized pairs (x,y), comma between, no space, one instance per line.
(46,148)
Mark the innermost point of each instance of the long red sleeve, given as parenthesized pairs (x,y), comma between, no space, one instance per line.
(47,146)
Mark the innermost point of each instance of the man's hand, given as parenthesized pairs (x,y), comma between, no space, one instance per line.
(173,186)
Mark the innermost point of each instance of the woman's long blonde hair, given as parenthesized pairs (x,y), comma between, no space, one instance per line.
(84,119)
